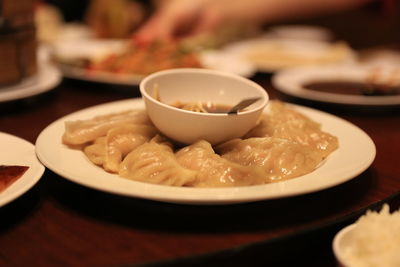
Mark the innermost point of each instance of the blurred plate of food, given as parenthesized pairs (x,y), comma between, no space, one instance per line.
(355,153)
(269,53)
(122,62)
(19,167)
(368,85)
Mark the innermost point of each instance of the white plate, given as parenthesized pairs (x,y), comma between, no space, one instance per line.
(68,50)
(355,154)
(290,81)
(16,151)
(269,53)
(46,79)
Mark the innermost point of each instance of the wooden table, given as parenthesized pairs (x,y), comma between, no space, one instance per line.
(59,223)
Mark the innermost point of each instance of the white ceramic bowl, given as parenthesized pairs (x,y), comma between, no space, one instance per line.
(340,243)
(194,85)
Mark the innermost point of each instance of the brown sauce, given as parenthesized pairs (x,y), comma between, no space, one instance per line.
(203,107)
(352,88)
(218,108)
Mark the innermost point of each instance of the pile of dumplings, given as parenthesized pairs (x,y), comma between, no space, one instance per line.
(285,144)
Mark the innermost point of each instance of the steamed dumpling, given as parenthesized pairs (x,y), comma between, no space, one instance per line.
(214,171)
(279,158)
(109,151)
(155,162)
(82,131)
(286,123)
(96,152)
(285,144)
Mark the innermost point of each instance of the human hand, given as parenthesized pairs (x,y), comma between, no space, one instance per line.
(183,19)
(114,19)
(174,18)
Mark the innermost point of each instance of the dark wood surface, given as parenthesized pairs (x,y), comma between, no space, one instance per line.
(59,223)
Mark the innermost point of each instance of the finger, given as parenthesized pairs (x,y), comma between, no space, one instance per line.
(208,22)
(157,28)
(147,33)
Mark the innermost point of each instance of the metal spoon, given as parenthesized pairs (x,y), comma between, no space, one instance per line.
(243,104)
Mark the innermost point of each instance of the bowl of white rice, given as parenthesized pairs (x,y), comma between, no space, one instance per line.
(373,240)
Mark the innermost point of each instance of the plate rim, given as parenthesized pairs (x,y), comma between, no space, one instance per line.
(338,240)
(47,78)
(28,179)
(202,196)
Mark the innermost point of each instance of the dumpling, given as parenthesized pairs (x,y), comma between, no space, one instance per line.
(83,131)
(286,123)
(214,171)
(279,158)
(122,140)
(110,150)
(155,162)
(96,152)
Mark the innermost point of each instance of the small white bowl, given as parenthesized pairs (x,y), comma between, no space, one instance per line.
(340,243)
(201,85)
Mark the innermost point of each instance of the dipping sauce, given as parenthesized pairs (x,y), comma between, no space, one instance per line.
(352,88)
(203,107)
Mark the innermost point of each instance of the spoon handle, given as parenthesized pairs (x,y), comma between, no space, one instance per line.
(243,104)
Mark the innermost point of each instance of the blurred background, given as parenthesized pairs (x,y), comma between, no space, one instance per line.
(371,24)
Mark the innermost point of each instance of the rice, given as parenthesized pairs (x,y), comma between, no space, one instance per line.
(375,240)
